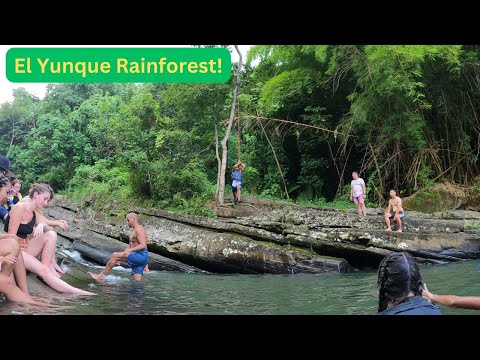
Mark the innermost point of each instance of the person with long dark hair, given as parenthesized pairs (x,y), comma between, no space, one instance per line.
(400,287)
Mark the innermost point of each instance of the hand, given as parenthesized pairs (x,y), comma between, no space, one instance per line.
(23,243)
(427,295)
(63,224)
(38,230)
(9,259)
(127,252)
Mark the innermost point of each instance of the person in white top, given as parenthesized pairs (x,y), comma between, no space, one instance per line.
(358,194)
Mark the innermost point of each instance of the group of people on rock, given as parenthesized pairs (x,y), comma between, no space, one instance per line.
(401,290)
(29,235)
(29,241)
(394,210)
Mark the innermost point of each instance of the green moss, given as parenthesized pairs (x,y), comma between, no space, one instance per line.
(430,202)
(472,225)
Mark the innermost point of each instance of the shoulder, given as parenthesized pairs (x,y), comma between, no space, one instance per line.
(19,209)
(139,229)
(141,232)
(413,306)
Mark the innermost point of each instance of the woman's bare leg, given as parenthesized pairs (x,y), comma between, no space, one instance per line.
(20,273)
(11,290)
(11,247)
(42,270)
(45,244)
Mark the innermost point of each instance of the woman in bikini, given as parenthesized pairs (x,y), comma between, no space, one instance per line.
(36,236)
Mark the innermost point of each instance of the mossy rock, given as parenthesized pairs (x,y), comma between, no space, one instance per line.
(442,197)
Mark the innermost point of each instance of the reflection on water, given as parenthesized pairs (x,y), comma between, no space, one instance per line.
(174,293)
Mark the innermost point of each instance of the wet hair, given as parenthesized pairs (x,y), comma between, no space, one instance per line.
(40,189)
(398,274)
(3,180)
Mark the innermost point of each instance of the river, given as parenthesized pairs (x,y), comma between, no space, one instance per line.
(179,293)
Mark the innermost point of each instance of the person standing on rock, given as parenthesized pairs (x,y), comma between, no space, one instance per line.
(358,193)
(394,211)
(136,254)
(237,176)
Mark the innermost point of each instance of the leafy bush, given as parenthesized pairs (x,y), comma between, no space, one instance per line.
(99,183)
(187,182)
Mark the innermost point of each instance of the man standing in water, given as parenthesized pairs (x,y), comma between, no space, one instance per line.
(136,254)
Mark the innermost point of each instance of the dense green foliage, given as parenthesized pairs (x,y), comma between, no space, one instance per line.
(406,116)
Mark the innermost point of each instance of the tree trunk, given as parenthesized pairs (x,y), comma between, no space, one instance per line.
(219,163)
(221,189)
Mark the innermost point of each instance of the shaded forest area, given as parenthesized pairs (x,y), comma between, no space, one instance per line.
(404,117)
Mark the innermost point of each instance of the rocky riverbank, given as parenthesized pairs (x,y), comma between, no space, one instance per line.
(271,237)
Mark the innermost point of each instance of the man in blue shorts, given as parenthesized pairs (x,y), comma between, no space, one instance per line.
(136,254)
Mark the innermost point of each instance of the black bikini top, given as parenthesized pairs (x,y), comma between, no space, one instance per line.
(23,229)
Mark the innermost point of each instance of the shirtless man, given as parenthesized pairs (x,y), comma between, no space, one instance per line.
(136,254)
(394,211)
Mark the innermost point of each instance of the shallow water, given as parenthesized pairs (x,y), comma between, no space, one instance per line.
(178,293)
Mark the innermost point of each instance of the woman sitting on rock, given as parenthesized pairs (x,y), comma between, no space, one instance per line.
(21,221)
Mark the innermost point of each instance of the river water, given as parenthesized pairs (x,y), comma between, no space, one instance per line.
(177,293)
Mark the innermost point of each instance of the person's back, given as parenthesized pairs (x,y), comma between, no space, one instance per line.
(400,287)
(237,175)
(414,305)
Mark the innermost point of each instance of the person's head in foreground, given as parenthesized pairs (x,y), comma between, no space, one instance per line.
(400,287)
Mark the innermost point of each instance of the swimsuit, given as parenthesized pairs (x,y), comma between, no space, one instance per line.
(23,229)
(137,260)
(400,213)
